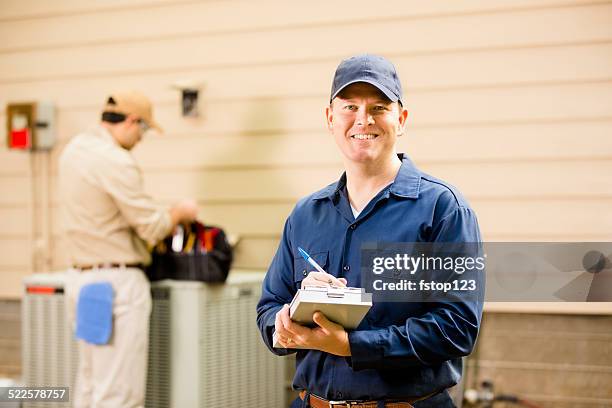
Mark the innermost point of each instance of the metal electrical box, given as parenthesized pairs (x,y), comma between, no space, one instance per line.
(30,126)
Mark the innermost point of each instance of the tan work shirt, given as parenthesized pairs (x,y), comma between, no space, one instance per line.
(107,215)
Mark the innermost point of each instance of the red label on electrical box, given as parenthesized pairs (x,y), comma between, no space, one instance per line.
(20,139)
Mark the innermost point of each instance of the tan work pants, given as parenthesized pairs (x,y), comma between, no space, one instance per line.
(114,375)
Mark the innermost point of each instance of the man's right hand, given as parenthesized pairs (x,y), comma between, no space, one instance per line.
(315,278)
(183,211)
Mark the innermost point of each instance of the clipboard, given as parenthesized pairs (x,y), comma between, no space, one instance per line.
(344,306)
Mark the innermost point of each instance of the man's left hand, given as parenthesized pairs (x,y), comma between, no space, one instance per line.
(327,336)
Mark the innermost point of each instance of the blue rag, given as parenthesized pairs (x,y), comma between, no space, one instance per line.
(94,313)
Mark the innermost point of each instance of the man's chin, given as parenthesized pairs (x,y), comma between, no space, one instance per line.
(361,157)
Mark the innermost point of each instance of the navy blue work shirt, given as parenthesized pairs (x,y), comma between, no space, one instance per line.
(400,350)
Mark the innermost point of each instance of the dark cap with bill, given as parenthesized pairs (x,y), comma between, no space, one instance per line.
(372,69)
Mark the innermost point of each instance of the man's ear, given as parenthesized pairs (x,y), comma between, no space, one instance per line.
(401,125)
(129,119)
(329,117)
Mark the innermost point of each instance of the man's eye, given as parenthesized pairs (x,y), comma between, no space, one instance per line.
(351,107)
(380,108)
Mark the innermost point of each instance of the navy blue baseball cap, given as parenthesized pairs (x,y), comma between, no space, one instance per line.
(372,69)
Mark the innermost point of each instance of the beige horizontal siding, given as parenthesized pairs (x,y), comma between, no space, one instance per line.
(547,26)
(14,10)
(588,140)
(553,141)
(509,100)
(15,221)
(14,163)
(590,101)
(553,360)
(549,219)
(487,179)
(477,180)
(463,69)
(553,217)
(159,19)
(578,348)
(15,191)
(16,254)
(496,217)
(558,379)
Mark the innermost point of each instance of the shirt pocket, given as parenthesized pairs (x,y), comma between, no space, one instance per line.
(301,267)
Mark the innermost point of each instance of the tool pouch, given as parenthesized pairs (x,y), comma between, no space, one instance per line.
(195,252)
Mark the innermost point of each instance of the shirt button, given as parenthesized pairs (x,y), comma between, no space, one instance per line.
(304,272)
(346,267)
(353,226)
(339,395)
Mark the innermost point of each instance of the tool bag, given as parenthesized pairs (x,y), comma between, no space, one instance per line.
(194,252)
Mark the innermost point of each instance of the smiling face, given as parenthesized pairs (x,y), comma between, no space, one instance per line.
(365,124)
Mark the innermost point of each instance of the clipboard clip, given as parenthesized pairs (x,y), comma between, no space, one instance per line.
(335,292)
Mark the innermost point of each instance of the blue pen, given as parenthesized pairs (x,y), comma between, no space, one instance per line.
(311,261)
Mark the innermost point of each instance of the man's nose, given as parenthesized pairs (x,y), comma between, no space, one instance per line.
(364,117)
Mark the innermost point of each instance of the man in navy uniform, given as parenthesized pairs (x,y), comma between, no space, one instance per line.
(402,354)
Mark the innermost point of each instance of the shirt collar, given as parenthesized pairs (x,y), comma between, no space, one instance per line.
(103,133)
(407,183)
(331,191)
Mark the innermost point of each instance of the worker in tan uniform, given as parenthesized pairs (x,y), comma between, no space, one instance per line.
(109,220)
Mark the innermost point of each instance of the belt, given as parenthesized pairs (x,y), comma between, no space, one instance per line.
(318,402)
(108,265)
